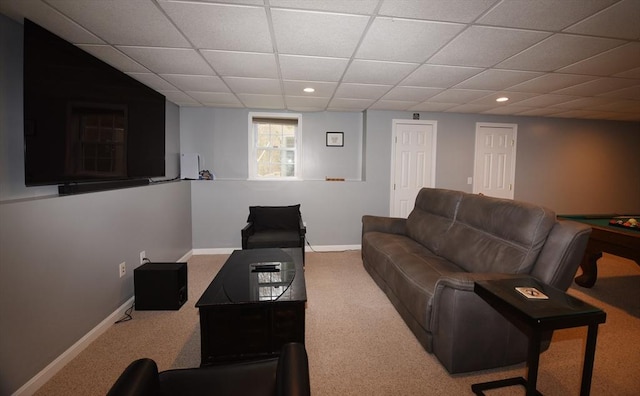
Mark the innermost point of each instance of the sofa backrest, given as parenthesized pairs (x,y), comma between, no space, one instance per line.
(433,214)
(274,217)
(496,235)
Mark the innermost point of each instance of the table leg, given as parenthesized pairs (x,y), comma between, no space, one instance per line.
(533,360)
(589,354)
(589,266)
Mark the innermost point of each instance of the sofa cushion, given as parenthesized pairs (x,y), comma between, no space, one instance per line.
(274,217)
(433,214)
(496,235)
(268,239)
(410,270)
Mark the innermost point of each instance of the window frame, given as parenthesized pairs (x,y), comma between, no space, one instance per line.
(253,164)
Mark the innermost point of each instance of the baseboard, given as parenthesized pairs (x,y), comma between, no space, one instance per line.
(52,369)
(325,248)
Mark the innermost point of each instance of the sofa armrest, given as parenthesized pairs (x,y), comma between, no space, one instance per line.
(292,377)
(246,232)
(302,227)
(389,225)
(465,280)
(469,334)
(140,378)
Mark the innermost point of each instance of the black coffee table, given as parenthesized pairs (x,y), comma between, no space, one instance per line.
(535,316)
(254,305)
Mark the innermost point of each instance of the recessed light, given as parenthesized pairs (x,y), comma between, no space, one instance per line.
(309,90)
(502,99)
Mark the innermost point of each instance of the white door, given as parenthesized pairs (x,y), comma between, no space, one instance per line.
(495,160)
(412,162)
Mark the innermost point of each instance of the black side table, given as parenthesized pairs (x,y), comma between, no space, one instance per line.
(535,317)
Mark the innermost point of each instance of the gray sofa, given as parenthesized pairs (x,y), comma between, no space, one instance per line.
(427,264)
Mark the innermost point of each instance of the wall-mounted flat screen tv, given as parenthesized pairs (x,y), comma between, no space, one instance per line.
(84,120)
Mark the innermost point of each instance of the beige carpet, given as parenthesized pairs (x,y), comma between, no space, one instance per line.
(359,345)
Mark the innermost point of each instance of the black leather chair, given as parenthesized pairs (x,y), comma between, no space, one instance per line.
(274,227)
(286,375)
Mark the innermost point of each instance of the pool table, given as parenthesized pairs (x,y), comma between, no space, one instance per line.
(620,241)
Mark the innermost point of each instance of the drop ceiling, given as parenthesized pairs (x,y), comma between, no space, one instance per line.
(551,58)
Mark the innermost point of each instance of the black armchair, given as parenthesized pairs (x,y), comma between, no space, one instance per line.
(274,227)
(286,375)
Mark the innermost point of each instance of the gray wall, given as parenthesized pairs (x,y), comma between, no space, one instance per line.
(571,166)
(59,256)
(332,210)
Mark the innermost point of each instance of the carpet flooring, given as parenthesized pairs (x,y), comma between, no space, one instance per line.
(358,344)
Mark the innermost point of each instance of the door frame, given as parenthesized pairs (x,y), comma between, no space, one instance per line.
(514,128)
(434,147)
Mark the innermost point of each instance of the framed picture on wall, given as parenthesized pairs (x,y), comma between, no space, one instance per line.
(335,139)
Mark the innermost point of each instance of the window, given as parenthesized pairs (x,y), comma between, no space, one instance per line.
(96,141)
(274,151)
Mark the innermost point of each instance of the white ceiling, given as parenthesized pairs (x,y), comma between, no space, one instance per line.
(552,58)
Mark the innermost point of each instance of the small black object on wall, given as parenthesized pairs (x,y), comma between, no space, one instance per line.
(160,286)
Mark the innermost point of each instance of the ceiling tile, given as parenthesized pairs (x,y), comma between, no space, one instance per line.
(301,103)
(469,108)
(169,60)
(617,60)
(550,83)
(221,99)
(618,21)
(50,19)
(558,51)
(180,98)
(450,10)
(242,64)
(400,105)
(439,76)
(153,81)
(497,79)
(262,101)
(315,33)
(632,93)
(417,94)
(484,46)
(361,91)
(432,106)
(350,7)
(546,100)
(405,40)
(261,86)
(581,103)
(514,97)
(507,110)
(341,104)
(595,87)
(547,111)
(115,58)
(377,72)
(634,73)
(459,96)
(139,23)
(310,68)
(322,89)
(622,106)
(196,83)
(551,15)
(222,26)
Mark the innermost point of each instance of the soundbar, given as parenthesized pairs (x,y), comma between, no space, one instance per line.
(79,188)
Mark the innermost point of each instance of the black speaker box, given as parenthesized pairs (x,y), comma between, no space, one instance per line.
(160,286)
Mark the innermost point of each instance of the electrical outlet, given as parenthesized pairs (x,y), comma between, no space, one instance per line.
(123,269)
(143,256)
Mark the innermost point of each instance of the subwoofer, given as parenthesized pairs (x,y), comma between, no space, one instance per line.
(160,286)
